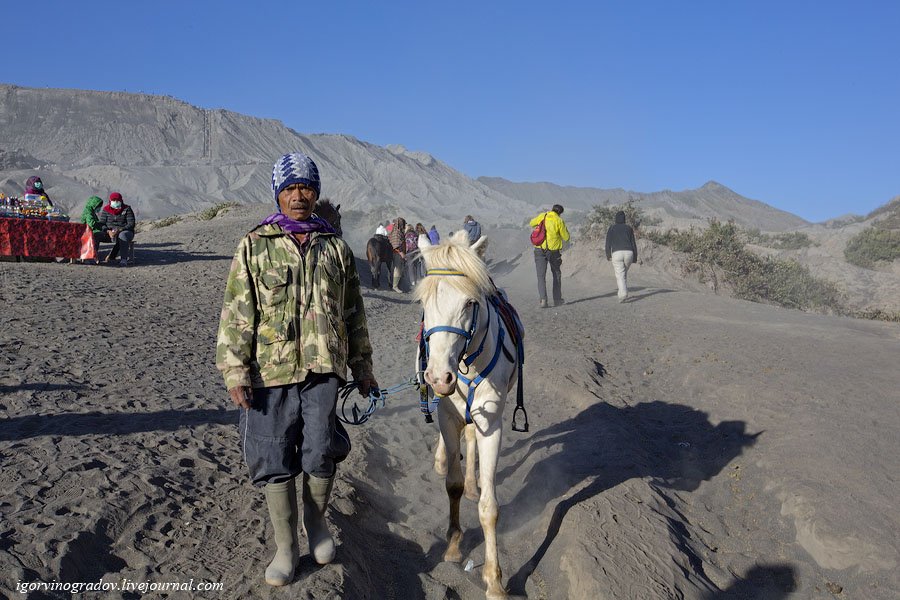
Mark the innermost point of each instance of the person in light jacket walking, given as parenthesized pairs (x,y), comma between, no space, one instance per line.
(549,253)
(621,249)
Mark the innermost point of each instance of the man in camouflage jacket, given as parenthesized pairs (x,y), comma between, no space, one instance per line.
(293,321)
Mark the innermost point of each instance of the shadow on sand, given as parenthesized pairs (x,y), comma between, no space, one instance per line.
(380,561)
(162,253)
(20,428)
(762,582)
(674,445)
(39,387)
(631,298)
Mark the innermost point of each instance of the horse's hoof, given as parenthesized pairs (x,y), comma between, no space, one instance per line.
(453,556)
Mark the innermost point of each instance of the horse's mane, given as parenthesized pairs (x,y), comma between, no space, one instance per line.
(455,254)
(325,209)
(323,202)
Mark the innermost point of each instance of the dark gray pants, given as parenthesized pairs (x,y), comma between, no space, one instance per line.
(292,429)
(554,258)
(121,242)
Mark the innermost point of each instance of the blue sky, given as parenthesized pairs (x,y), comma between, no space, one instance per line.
(795,103)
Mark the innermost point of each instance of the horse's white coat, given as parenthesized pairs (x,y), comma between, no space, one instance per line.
(449,300)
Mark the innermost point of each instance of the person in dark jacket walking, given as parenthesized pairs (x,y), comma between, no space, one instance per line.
(621,249)
(117,226)
(473,228)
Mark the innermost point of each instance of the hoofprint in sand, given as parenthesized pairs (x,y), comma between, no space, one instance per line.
(681,445)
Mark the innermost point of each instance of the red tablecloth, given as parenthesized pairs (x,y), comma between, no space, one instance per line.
(38,237)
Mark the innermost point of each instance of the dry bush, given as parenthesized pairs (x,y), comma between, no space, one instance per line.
(720,248)
(601,218)
(167,221)
(793,240)
(873,245)
(213,211)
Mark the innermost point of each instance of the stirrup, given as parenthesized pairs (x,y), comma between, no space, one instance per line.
(524,428)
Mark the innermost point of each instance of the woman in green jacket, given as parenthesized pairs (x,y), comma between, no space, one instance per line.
(89,218)
(89,214)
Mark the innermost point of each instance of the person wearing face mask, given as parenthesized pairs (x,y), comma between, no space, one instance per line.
(35,186)
(116,221)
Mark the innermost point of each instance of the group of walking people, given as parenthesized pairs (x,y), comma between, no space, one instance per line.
(549,236)
(405,240)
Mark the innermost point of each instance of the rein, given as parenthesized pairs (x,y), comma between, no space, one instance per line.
(376,399)
(467,359)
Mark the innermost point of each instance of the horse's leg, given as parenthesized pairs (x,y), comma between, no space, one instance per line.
(471,486)
(450,430)
(488,509)
(375,268)
(440,456)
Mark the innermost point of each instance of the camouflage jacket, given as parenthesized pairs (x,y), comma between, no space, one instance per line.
(288,313)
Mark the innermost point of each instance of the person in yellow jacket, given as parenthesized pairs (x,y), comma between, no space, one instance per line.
(550,252)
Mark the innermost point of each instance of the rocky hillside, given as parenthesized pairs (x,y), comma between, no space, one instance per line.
(676,208)
(168,157)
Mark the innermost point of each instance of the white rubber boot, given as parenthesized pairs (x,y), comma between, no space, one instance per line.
(282,501)
(316,492)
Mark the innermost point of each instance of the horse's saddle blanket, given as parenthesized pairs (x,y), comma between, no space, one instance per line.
(509,315)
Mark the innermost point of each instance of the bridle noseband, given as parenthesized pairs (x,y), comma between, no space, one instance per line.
(467,335)
(468,360)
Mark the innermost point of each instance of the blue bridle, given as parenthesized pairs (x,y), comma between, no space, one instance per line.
(465,358)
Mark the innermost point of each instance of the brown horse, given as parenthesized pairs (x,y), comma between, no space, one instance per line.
(330,212)
(379,252)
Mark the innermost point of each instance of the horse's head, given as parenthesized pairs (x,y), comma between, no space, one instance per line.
(330,212)
(457,281)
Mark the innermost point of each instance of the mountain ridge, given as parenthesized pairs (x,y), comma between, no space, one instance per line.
(170,157)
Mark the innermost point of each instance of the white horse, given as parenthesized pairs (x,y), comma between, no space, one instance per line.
(472,364)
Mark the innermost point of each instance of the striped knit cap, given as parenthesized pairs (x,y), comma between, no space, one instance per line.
(294,168)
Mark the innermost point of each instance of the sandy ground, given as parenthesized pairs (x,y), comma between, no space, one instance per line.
(682,445)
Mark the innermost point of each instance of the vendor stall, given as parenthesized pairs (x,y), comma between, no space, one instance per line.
(50,239)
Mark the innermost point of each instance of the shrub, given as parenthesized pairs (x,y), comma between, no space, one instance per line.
(720,248)
(871,246)
(167,221)
(793,240)
(877,314)
(599,220)
(212,211)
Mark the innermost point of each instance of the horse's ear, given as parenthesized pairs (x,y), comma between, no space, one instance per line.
(338,207)
(480,246)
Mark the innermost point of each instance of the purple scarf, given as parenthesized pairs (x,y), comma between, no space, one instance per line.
(314,223)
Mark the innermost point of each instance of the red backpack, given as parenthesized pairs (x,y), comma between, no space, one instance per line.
(539,233)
